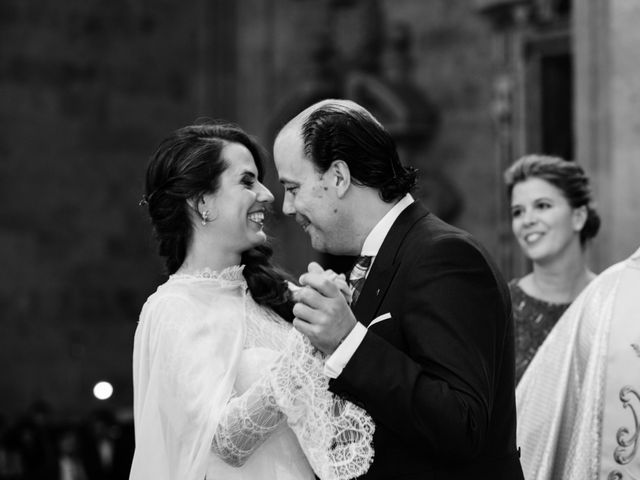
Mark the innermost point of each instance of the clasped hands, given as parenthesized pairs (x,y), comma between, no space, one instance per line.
(322,311)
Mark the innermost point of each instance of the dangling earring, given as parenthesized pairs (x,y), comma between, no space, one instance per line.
(205,217)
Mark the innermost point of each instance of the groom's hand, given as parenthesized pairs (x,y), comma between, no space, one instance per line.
(321,309)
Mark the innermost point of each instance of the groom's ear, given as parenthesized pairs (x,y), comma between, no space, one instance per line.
(341,176)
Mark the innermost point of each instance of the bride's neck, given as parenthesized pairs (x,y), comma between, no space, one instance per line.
(200,257)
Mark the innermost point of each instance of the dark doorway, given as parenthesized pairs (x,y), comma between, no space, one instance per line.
(557,136)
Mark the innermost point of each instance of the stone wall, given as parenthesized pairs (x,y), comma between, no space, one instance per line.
(87,90)
(608,120)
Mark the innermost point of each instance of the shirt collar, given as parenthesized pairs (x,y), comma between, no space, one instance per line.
(376,236)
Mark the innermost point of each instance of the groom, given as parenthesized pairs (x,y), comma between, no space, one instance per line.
(426,346)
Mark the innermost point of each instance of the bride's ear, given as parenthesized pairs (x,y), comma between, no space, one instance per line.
(194,202)
(203,208)
(197,204)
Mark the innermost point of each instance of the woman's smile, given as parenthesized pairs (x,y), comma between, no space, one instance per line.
(257,217)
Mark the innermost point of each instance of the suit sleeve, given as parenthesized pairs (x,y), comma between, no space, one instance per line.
(439,391)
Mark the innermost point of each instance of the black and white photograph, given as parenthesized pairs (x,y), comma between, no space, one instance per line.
(320,239)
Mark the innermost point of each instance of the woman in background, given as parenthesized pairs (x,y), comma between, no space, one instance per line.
(224,387)
(553,219)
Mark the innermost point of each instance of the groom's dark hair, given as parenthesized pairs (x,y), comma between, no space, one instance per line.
(339,130)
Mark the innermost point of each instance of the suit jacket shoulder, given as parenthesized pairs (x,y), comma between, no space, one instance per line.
(418,237)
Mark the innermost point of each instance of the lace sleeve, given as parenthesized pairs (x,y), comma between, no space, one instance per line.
(335,435)
(246,423)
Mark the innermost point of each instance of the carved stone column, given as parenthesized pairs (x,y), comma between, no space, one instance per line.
(508,110)
(607,42)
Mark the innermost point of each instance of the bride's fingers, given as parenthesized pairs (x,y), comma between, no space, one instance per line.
(321,283)
(340,281)
(314,267)
(311,298)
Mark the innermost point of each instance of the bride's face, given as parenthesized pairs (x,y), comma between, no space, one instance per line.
(238,207)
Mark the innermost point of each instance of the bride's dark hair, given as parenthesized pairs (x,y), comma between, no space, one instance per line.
(187,165)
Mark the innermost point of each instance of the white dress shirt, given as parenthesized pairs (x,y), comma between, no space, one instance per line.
(338,359)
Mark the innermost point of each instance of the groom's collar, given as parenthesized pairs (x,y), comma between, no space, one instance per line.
(376,236)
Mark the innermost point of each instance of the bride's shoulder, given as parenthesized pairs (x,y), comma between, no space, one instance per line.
(170,292)
(167,302)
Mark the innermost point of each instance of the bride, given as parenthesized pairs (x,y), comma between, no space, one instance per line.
(224,387)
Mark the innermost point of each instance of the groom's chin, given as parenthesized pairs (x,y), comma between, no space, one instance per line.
(318,244)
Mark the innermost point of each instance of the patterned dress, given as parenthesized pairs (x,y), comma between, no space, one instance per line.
(533,319)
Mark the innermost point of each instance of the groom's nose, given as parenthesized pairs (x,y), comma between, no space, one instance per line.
(287,205)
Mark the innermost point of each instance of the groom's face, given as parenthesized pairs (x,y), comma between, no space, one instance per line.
(309,195)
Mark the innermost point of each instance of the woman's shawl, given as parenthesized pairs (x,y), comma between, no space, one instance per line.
(621,410)
(186,350)
(561,396)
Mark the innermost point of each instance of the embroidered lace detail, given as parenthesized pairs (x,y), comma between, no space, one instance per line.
(335,435)
(247,422)
(229,274)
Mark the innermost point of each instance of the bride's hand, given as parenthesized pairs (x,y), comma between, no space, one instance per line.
(338,279)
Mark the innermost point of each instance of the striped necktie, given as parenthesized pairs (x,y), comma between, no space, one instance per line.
(358,275)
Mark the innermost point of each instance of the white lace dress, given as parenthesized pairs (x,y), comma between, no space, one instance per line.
(225,389)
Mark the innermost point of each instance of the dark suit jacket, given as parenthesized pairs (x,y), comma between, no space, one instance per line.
(438,376)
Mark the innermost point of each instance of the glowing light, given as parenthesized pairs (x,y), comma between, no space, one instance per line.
(102,390)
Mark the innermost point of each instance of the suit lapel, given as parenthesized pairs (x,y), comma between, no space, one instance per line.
(385,264)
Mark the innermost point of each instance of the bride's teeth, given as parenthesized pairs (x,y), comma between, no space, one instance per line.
(257,217)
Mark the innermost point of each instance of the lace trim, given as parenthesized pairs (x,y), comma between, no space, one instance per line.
(230,274)
(335,435)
